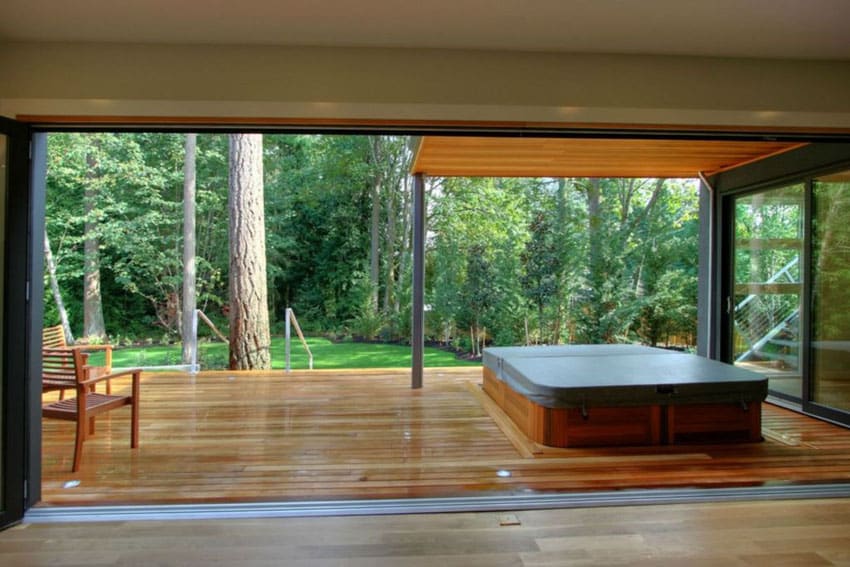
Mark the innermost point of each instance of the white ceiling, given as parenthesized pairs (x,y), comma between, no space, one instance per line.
(804,29)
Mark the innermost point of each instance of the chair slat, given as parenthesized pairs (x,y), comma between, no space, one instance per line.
(53,337)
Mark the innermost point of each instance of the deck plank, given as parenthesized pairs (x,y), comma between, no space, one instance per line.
(226,436)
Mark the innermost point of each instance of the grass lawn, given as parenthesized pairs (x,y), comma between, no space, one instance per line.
(326,355)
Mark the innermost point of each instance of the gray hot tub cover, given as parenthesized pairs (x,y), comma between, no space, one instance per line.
(573,376)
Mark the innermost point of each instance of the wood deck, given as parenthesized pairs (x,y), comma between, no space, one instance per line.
(227,436)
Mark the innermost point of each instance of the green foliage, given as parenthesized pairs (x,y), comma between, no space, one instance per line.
(831,256)
(508,261)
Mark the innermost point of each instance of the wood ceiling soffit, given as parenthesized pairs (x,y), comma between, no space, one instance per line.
(573,157)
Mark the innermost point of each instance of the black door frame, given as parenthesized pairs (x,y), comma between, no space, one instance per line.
(795,167)
(16,360)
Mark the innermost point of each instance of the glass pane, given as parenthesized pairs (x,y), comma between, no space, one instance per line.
(831,291)
(768,286)
(3,183)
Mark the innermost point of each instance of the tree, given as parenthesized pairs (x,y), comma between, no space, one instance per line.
(93,324)
(50,264)
(617,215)
(188,331)
(542,259)
(479,228)
(249,316)
(376,148)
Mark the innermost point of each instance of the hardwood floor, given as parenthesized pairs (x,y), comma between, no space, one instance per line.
(224,437)
(806,533)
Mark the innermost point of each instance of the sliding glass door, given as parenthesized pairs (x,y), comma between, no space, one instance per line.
(830,368)
(14,157)
(4,168)
(784,300)
(767,268)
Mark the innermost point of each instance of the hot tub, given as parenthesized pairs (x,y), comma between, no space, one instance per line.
(596,395)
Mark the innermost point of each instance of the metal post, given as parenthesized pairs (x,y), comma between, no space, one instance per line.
(288,336)
(417,334)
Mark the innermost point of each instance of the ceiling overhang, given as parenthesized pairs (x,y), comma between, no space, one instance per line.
(463,156)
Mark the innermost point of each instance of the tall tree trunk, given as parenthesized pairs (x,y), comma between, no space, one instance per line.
(93,325)
(187,331)
(406,235)
(249,316)
(563,288)
(597,277)
(57,293)
(389,251)
(557,324)
(375,248)
(541,336)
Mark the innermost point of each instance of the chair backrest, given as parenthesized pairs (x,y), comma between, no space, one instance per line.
(63,365)
(53,337)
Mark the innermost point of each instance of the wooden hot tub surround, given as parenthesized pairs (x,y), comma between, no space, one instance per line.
(696,401)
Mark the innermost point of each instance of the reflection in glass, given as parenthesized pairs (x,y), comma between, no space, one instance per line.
(768,286)
(831,291)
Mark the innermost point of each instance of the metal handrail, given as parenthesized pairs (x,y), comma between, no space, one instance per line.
(766,320)
(290,318)
(194,366)
(783,271)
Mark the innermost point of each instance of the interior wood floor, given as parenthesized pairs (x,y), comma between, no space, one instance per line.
(805,533)
(228,436)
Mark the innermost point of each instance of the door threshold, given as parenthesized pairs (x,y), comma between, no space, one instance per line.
(56,514)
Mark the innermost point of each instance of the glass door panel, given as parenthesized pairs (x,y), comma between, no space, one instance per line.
(831,291)
(4,169)
(14,195)
(767,290)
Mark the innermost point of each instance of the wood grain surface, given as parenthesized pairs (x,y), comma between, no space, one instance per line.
(227,436)
(806,533)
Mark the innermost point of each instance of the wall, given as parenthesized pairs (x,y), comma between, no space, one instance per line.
(278,82)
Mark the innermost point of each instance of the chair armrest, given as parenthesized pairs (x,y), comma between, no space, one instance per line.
(136,372)
(92,347)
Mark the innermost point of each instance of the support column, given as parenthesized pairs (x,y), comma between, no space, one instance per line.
(704,272)
(707,321)
(417,334)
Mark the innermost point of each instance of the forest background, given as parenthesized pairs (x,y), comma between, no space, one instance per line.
(508,261)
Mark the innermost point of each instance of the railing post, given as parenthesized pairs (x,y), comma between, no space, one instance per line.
(287,339)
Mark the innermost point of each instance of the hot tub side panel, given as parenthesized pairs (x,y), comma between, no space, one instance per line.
(575,427)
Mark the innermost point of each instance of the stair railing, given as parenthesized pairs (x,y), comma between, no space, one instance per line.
(767,322)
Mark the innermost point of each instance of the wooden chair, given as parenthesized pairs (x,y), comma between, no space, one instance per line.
(87,404)
(53,338)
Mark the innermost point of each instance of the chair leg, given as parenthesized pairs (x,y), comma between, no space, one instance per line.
(108,386)
(91,426)
(78,445)
(134,423)
(134,406)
